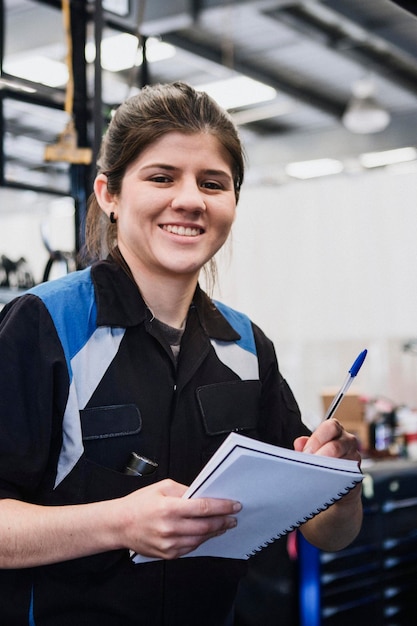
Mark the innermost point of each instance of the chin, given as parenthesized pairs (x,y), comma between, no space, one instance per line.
(186,268)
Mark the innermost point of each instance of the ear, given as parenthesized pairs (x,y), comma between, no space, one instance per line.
(105,199)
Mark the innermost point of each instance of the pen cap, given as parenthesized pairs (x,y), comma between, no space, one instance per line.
(139,465)
(358,363)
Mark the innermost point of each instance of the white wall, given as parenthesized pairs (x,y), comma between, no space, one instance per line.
(328,267)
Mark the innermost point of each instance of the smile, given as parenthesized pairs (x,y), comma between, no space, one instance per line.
(185,231)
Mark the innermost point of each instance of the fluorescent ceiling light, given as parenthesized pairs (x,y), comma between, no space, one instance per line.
(313,169)
(122,52)
(117,53)
(157,50)
(38,69)
(387,157)
(238,91)
(248,116)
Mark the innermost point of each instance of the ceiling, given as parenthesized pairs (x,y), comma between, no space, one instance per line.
(311,52)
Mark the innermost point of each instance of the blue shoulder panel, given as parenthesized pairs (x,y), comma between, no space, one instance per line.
(241,323)
(71,304)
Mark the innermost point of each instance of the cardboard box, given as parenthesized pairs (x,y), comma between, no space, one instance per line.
(351,407)
(350,413)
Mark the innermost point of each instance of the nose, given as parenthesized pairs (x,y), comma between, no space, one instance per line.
(188,196)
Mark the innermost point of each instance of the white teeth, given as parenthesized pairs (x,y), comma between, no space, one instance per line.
(182,230)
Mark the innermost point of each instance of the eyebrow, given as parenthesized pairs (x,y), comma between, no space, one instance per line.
(172,168)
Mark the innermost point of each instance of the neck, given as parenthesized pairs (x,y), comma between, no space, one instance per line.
(167,296)
(168,300)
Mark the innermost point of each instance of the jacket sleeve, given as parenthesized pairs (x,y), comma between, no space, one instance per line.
(33,391)
(280,418)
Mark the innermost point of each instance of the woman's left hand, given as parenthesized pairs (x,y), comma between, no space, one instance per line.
(330,439)
(337,526)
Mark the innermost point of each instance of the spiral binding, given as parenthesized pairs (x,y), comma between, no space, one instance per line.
(293,527)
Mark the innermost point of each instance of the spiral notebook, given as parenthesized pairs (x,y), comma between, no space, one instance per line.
(279,489)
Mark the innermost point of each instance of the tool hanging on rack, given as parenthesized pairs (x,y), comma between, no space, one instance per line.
(66,149)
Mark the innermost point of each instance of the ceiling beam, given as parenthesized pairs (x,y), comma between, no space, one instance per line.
(370,50)
(310,96)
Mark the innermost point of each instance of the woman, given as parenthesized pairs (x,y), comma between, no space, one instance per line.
(130,355)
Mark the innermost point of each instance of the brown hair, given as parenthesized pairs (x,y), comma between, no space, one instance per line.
(137,123)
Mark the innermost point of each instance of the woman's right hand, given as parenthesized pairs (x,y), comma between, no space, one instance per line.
(159,523)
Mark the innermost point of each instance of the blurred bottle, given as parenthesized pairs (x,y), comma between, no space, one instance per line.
(407,426)
(382,435)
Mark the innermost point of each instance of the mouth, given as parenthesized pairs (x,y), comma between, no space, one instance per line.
(184,231)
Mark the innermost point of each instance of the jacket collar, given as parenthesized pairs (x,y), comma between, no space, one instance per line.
(119,303)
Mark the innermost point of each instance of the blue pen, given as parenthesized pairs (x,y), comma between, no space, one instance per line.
(351,375)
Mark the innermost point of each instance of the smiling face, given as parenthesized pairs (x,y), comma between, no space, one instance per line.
(176,206)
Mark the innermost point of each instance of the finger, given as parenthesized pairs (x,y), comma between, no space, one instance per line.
(204,528)
(176,539)
(300,443)
(201,517)
(200,531)
(204,507)
(344,447)
(327,431)
(210,507)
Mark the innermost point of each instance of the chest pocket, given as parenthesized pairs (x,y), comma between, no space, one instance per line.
(230,406)
(110,434)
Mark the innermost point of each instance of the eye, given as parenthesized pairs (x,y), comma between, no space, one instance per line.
(160,178)
(212,184)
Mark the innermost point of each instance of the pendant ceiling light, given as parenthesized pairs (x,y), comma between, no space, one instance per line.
(364,114)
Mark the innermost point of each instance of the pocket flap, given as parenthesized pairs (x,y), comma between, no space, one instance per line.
(110,421)
(230,406)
